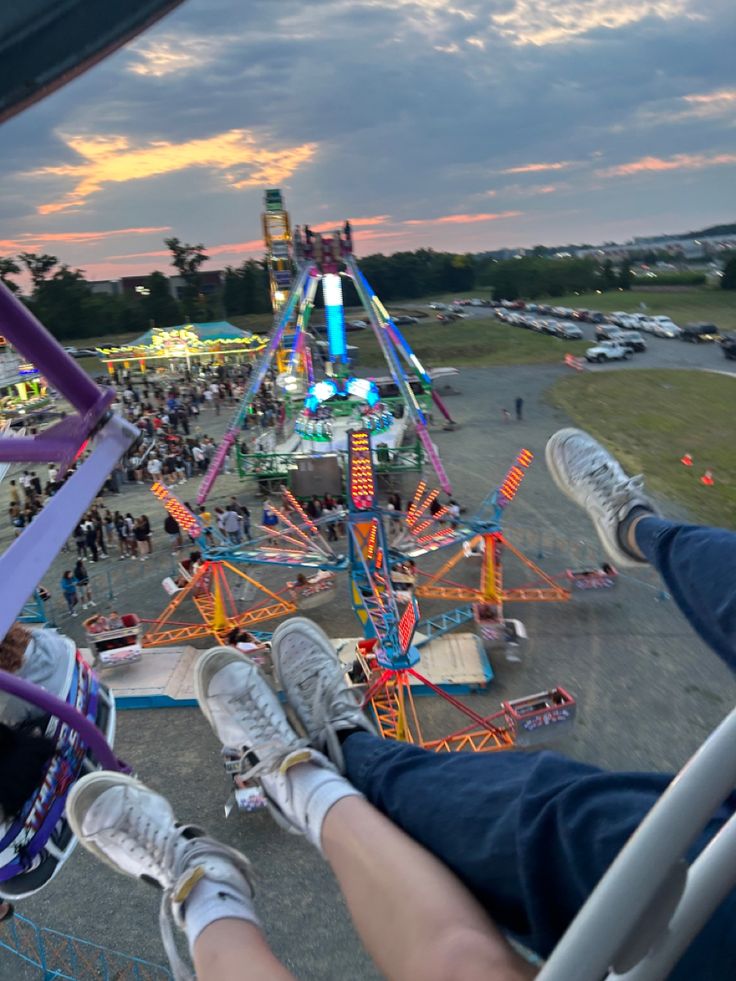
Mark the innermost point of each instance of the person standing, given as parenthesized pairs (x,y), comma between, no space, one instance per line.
(81,577)
(172,529)
(519,405)
(69,589)
(141,538)
(231,525)
(90,537)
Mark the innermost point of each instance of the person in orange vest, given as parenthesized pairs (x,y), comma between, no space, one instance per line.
(707,479)
(686,460)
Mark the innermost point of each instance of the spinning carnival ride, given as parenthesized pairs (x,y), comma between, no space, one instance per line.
(298,266)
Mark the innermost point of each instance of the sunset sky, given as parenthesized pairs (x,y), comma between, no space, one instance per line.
(464,126)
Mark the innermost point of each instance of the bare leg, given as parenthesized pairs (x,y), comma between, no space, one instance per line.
(235,950)
(414,916)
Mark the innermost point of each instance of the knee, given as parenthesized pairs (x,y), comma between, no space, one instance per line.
(473,955)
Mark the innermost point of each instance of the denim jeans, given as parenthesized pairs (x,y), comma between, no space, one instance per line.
(530,834)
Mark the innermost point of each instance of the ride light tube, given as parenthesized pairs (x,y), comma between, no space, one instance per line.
(334,316)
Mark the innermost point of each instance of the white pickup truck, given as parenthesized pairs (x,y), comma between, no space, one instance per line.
(608,351)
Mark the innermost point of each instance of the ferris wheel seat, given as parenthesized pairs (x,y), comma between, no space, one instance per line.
(540,717)
(316,591)
(38,841)
(119,646)
(603,578)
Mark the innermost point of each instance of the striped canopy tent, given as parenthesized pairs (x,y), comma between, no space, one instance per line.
(214,341)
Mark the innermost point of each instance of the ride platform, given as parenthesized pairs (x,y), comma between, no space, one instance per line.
(163,677)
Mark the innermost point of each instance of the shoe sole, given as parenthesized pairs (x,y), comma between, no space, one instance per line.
(83,795)
(614,552)
(204,672)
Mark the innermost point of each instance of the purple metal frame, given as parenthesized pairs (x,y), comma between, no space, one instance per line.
(30,555)
(90,734)
(62,441)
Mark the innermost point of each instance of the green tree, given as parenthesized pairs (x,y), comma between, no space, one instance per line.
(608,276)
(728,279)
(158,304)
(62,304)
(9,267)
(187,259)
(625,276)
(38,266)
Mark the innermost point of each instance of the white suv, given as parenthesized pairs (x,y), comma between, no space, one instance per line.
(608,351)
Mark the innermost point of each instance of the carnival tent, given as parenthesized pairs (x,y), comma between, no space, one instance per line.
(213,340)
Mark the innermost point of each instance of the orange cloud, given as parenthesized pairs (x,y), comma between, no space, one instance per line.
(30,240)
(462,219)
(680,161)
(330,226)
(542,22)
(113,160)
(534,168)
(720,96)
(171,56)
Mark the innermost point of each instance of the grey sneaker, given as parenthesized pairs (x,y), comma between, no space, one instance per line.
(589,475)
(247,717)
(315,686)
(133,830)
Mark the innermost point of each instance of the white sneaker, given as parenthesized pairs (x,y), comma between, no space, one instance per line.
(92,603)
(74,613)
(133,830)
(591,477)
(314,683)
(246,716)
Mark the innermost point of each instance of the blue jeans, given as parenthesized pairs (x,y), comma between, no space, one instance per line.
(530,834)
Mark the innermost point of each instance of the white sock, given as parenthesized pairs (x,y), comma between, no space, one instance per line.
(306,792)
(210,901)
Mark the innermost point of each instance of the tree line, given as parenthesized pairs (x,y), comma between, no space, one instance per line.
(64,300)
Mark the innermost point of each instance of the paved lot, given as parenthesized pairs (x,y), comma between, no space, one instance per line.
(648,691)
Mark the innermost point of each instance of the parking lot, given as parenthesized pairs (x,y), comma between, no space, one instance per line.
(661,352)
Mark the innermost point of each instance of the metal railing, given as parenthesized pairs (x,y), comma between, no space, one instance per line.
(272,466)
(58,956)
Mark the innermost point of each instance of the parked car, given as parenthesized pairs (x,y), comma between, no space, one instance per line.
(633,340)
(728,344)
(608,351)
(570,332)
(607,332)
(665,327)
(700,333)
(445,317)
(81,352)
(404,319)
(356,325)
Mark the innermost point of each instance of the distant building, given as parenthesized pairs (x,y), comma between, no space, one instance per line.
(108,287)
(210,280)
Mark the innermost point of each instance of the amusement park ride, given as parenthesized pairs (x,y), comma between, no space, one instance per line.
(650,903)
(335,400)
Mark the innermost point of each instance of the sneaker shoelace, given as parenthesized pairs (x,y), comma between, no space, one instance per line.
(268,751)
(614,492)
(330,702)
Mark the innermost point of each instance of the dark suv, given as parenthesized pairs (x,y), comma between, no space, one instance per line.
(699,333)
(728,343)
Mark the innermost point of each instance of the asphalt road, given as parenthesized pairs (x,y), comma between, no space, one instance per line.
(648,690)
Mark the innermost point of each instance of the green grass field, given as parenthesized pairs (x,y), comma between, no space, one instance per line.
(651,418)
(471,342)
